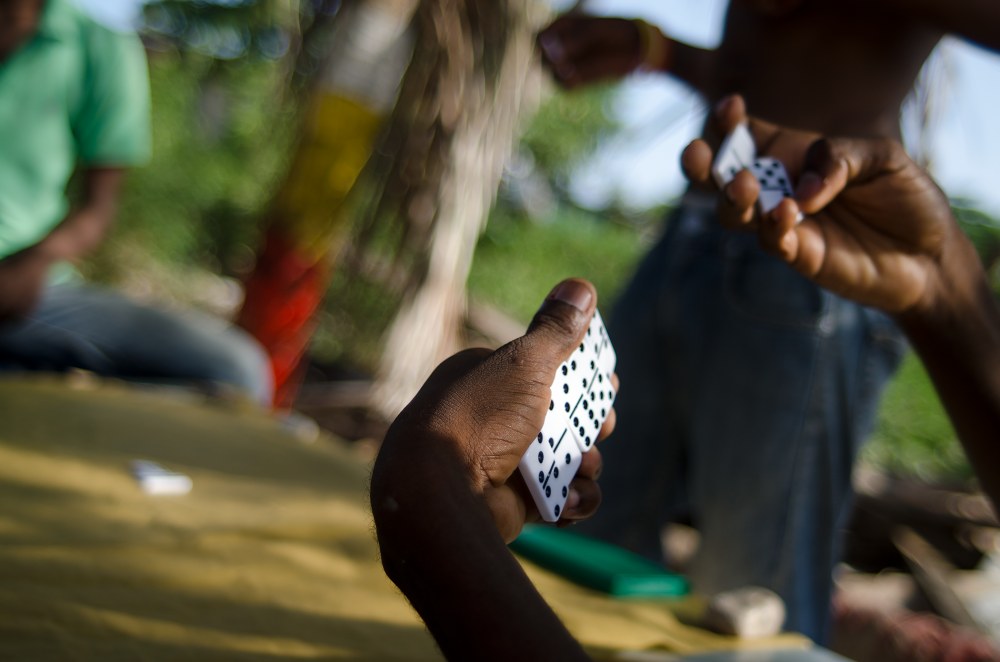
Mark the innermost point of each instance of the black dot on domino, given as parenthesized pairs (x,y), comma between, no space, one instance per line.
(591,414)
(541,477)
(585,404)
(566,407)
(540,437)
(565,491)
(557,510)
(541,457)
(565,388)
(572,364)
(552,405)
(592,364)
(581,347)
(603,413)
(576,421)
(584,382)
(582,431)
(548,491)
(565,370)
(587,441)
(555,472)
(568,458)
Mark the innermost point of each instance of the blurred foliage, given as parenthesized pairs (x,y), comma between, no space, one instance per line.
(984,232)
(220,143)
(294,32)
(567,128)
(355,314)
(222,131)
(224,30)
(518,261)
(913,436)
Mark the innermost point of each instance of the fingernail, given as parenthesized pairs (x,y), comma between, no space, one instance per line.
(722,104)
(572,500)
(809,185)
(573,293)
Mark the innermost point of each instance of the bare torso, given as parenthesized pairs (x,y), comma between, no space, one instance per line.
(837,67)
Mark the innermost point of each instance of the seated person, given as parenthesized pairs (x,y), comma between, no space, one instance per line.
(445,492)
(74,95)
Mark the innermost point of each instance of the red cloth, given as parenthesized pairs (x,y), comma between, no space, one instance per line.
(283,293)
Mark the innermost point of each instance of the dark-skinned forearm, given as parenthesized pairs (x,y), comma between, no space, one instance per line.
(959,344)
(690,65)
(441,547)
(85,227)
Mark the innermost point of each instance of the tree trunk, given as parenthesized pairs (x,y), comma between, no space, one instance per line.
(473,77)
(307,222)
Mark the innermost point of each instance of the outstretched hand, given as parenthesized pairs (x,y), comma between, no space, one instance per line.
(485,408)
(582,49)
(877,228)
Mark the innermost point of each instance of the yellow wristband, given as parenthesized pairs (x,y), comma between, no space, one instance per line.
(654,47)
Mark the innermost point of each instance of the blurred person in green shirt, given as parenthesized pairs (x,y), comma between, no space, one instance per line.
(74,98)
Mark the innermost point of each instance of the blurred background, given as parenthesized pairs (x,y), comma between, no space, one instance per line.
(583,192)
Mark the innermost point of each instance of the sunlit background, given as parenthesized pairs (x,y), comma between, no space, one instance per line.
(639,165)
(584,195)
(661,116)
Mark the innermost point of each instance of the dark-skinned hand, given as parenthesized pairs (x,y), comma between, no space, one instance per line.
(480,410)
(877,229)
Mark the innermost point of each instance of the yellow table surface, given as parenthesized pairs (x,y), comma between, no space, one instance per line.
(270,556)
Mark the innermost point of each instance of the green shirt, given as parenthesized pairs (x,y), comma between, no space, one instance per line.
(76,93)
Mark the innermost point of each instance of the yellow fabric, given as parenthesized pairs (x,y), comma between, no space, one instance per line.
(270,556)
(337,138)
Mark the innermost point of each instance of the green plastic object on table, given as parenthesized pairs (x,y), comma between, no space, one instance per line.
(596,564)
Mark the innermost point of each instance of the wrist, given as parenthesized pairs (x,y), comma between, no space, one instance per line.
(654,47)
(957,293)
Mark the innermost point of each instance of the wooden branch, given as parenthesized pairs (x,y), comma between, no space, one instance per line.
(926,502)
(933,574)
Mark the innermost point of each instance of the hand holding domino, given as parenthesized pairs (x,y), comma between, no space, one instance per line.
(737,152)
(470,437)
(582,395)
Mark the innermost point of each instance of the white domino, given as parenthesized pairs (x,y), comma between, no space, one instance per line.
(775,184)
(155,480)
(548,467)
(582,396)
(736,153)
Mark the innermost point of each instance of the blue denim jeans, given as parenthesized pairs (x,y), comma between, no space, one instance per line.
(746,393)
(80,326)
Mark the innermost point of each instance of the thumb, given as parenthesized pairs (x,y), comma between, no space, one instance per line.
(561,321)
(833,163)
